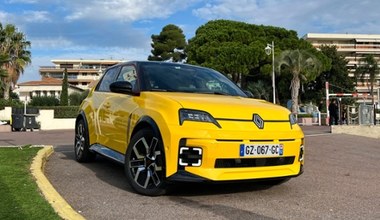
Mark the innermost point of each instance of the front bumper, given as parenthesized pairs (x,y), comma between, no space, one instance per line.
(218,158)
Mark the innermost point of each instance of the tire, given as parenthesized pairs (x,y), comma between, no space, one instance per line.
(81,143)
(145,163)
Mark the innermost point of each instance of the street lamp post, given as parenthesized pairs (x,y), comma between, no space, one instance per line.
(269,49)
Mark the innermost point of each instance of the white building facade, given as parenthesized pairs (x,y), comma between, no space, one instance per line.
(45,87)
(353,47)
(81,73)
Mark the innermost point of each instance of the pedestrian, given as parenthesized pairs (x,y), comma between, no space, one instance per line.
(320,106)
(334,112)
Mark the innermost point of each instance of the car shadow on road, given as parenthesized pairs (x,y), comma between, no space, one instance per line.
(197,189)
(106,170)
(112,173)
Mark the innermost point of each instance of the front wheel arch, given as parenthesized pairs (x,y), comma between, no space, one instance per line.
(147,122)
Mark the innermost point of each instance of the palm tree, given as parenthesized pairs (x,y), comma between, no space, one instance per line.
(303,66)
(259,89)
(14,45)
(3,73)
(369,70)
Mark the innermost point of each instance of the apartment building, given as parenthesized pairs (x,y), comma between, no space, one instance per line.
(81,73)
(353,47)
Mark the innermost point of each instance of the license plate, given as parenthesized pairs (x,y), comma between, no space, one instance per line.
(261,150)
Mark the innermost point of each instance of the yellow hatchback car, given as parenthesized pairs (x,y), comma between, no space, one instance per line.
(169,122)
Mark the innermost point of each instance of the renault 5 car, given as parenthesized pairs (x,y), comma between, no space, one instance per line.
(169,122)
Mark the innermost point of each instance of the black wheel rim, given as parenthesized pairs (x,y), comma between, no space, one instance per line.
(145,163)
(80,140)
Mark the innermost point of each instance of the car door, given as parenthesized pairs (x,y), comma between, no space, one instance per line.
(114,112)
(102,107)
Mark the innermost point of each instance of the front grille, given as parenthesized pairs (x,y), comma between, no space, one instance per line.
(253,162)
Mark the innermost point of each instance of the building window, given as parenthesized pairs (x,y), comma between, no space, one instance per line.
(66,65)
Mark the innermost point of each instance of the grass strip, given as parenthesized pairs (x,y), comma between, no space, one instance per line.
(19,195)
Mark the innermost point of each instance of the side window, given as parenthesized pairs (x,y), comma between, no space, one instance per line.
(128,73)
(108,78)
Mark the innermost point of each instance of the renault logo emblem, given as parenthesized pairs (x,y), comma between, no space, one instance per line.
(259,122)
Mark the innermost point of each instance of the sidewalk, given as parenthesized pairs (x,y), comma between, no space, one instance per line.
(37,137)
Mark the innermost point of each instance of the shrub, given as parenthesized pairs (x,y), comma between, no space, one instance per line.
(66,111)
(11,102)
(76,98)
(44,101)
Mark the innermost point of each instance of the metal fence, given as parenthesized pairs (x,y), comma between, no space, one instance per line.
(362,115)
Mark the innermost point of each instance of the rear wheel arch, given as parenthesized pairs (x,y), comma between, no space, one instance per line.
(81,141)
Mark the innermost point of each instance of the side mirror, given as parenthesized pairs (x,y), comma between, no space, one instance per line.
(123,87)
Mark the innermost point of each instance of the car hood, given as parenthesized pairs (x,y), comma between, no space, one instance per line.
(228,107)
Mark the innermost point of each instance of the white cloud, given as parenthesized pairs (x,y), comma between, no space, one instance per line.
(22,1)
(125,10)
(50,43)
(304,16)
(37,16)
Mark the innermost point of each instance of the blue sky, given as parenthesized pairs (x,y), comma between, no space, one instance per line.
(122,29)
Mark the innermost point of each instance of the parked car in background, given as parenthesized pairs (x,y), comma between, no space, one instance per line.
(169,122)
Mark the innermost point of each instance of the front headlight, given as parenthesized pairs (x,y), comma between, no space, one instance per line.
(196,115)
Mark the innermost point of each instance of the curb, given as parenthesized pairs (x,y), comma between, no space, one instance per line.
(59,204)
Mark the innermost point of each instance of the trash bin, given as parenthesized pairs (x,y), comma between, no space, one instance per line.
(17,122)
(30,122)
(23,119)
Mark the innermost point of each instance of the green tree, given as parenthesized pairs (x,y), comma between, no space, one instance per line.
(64,99)
(303,66)
(237,49)
(14,45)
(368,70)
(227,46)
(168,45)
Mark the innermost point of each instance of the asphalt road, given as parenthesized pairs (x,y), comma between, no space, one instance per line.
(341,181)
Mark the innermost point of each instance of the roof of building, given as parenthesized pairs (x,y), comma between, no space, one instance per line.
(101,61)
(341,36)
(47,81)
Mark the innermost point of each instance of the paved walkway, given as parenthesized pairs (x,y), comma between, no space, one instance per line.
(37,137)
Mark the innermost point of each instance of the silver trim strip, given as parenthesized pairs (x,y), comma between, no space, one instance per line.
(105,151)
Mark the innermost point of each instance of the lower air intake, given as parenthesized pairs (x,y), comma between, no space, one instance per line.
(253,162)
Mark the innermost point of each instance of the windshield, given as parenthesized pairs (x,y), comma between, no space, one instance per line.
(172,77)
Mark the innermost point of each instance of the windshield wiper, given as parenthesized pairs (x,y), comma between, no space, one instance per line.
(216,93)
